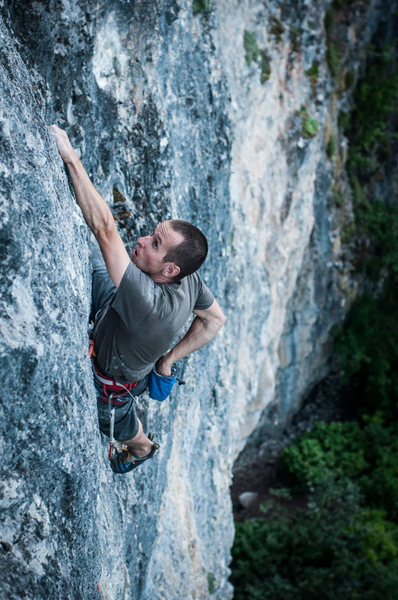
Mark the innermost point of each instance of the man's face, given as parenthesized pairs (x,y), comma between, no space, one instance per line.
(151,249)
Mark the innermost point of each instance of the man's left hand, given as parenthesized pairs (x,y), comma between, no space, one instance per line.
(63,144)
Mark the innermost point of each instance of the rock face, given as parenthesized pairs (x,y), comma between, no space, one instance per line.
(170,120)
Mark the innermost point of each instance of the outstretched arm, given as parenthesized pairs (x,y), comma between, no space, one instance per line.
(95,210)
(203,329)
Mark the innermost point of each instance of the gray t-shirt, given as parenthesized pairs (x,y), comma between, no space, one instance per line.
(142,320)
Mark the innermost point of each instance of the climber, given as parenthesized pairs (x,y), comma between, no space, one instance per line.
(140,305)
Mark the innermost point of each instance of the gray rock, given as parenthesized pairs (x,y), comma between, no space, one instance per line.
(247,499)
(163,107)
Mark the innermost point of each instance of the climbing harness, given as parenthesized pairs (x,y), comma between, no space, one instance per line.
(112,390)
(117,389)
(112,386)
(120,457)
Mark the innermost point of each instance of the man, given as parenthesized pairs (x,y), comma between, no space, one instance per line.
(140,306)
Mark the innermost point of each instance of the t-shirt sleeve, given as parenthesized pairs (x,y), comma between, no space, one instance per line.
(205,298)
(135,295)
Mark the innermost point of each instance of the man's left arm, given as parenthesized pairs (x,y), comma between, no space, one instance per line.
(203,329)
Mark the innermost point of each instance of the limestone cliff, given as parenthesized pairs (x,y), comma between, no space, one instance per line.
(211,115)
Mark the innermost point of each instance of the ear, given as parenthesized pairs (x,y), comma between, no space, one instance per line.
(170,270)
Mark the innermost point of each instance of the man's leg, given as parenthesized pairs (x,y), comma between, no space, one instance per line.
(139,445)
(128,427)
(103,291)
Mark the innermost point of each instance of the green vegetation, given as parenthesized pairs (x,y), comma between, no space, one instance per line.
(327,452)
(343,120)
(368,350)
(363,452)
(333,57)
(338,198)
(349,79)
(344,544)
(210,583)
(331,147)
(232,245)
(333,549)
(331,12)
(309,125)
(313,71)
(200,6)
(251,47)
(371,128)
(294,36)
(348,233)
(329,19)
(277,28)
(265,67)
(254,54)
(331,23)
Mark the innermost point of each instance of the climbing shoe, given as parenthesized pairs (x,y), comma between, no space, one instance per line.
(122,461)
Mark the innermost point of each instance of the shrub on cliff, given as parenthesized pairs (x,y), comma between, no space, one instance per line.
(371,129)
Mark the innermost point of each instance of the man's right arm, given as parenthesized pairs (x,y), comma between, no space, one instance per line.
(95,210)
(203,329)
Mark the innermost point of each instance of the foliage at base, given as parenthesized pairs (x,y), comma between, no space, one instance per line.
(334,549)
(344,544)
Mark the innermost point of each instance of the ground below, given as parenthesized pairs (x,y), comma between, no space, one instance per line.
(329,401)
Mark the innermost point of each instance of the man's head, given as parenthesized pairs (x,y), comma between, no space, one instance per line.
(174,250)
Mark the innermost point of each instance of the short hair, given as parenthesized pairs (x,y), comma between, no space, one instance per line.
(190,254)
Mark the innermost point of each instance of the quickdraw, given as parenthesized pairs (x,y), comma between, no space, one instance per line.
(112,425)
